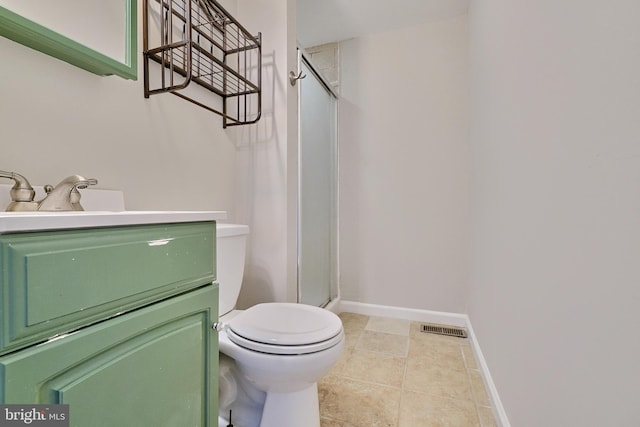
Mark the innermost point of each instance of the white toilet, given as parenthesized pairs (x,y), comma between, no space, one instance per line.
(271,355)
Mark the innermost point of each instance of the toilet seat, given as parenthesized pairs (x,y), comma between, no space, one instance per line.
(285,328)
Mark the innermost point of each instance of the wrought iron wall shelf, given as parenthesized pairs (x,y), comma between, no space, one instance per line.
(199,41)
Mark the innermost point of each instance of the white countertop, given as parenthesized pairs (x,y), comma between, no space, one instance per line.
(36,221)
(103,208)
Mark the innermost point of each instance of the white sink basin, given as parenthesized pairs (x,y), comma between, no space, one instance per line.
(35,221)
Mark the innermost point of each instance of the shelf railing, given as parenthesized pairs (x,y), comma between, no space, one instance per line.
(199,41)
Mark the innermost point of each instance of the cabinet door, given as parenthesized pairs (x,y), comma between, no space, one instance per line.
(157,366)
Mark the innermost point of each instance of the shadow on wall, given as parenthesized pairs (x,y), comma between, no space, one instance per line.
(262,132)
(259,190)
(252,142)
(257,287)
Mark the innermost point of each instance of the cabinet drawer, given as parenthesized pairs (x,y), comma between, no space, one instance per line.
(53,282)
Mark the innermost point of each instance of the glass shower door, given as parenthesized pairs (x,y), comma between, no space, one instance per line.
(317,206)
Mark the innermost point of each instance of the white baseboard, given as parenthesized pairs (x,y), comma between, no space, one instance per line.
(428,316)
(334,306)
(496,403)
(415,315)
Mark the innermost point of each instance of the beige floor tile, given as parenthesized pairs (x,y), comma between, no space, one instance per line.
(395,345)
(478,388)
(389,326)
(469,356)
(435,349)
(418,410)
(327,422)
(437,367)
(341,364)
(353,322)
(438,379)
(375,367)
(434,339)
(351,338)
(487,419)
(357,403)
(353,325)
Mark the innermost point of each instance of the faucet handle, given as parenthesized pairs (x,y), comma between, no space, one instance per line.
(21,191)
(22,194)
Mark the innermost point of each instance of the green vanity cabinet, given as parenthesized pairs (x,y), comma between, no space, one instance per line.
(125,337)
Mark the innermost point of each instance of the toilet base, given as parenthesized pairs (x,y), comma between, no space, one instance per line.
(293,409)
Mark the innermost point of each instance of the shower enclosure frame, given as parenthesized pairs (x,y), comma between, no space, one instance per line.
(306,71)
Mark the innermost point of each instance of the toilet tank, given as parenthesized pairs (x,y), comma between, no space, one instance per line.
(231,247)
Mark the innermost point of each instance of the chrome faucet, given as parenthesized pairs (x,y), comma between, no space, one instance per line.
(63,197)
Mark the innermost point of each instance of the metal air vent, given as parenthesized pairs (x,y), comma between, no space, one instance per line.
(443,330)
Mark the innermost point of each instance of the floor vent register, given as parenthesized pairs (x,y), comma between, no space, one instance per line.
(443,330)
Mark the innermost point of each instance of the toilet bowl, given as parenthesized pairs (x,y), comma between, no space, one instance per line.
(272,354)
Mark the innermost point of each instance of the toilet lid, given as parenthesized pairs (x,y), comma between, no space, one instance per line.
(285,328)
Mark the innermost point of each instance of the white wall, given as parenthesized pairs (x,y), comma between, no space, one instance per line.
(165,153)
(57,120)
(555,173)
(267,165)
(404,167)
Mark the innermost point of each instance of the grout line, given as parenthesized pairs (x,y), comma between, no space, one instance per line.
(473,393)
(404,377)
(499,413)
(453,319)
(467,349)
(474,396)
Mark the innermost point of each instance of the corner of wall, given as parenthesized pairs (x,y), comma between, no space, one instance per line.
(442,318)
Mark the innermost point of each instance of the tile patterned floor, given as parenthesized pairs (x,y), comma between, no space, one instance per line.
(393,375)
